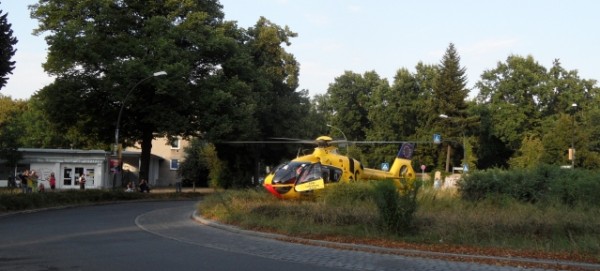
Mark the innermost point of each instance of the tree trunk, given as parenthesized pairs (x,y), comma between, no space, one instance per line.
(147,136)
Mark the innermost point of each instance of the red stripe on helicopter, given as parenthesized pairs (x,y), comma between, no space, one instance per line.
(272,190)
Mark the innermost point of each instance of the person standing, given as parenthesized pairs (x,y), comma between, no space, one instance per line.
(23,176)
(32,182)
(82,181)
(52,181)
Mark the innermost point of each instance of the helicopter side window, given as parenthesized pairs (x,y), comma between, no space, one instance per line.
(331,174)
(325,174)
(310,173)
(287,173)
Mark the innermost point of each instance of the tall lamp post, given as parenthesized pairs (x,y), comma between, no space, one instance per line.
(444,116)
(345,138)
(160,73)
(572,151)
(116,147)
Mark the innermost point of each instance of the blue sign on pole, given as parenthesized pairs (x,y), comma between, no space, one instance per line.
(437,138)
(465,168)
(385,166)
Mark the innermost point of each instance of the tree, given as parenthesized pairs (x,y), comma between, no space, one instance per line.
(7,50)
(348,99)
(449,98)
(100,50)
(510,91)
(393,115)
(268,104)
(520,99)
(11,130)
(529,155)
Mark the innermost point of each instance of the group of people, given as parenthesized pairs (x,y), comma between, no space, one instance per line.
(144,187)
(30,181)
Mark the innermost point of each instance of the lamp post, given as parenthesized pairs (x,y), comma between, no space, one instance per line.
(444,116)
(160,73)
(345,138)
(116,147)
(574,108)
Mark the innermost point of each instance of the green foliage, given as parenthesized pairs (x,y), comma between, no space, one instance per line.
(347,194)
(201,161)
(348,100)
(543,184)
(214,165)
(350,213)
(7,50)
(396,209)
(11,130)
(529,155)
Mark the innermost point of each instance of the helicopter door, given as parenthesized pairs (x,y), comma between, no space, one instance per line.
(310,178)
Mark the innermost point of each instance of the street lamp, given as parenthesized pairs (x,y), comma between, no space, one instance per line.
(116,147)
(160,73)
(345,138)
(572,151)
(444,116)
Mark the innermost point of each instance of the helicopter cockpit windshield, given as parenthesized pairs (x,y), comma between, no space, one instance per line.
(287,173)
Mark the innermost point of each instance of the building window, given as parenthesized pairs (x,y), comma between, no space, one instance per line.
(174,164)
(175,143)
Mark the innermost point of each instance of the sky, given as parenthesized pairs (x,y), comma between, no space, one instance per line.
(335,36)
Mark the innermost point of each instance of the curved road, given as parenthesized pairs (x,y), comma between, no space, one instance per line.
(162,236)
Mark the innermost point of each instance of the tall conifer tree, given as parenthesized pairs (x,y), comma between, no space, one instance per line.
(7,50)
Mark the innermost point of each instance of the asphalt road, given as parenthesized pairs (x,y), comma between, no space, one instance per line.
(162,236)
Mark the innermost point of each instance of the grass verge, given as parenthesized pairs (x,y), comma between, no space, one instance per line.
(442,222)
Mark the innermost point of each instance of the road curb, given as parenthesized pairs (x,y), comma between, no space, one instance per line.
(511,261)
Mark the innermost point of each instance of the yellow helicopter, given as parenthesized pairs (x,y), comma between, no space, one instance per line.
(325,165)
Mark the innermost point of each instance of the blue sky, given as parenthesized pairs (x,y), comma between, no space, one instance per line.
(383,36)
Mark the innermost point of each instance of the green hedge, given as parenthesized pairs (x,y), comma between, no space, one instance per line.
(541,184)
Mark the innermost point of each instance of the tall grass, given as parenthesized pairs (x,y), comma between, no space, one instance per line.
(350,211)
(505,222)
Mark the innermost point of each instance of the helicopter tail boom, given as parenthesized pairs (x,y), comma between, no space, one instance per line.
(402,164)
(401,168)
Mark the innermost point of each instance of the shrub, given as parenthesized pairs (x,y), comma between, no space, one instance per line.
(544,183)
(346,193)
(396,209)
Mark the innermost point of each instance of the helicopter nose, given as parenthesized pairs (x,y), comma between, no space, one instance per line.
(272,190)
(267,184)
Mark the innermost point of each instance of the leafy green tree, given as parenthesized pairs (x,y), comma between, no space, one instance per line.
(7,50)
(490,150)
(510,91)
(270,104)
(11,130)
(101,51)
(393,115)
(427,118)
(529,155)
(348,99)
(522,99)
